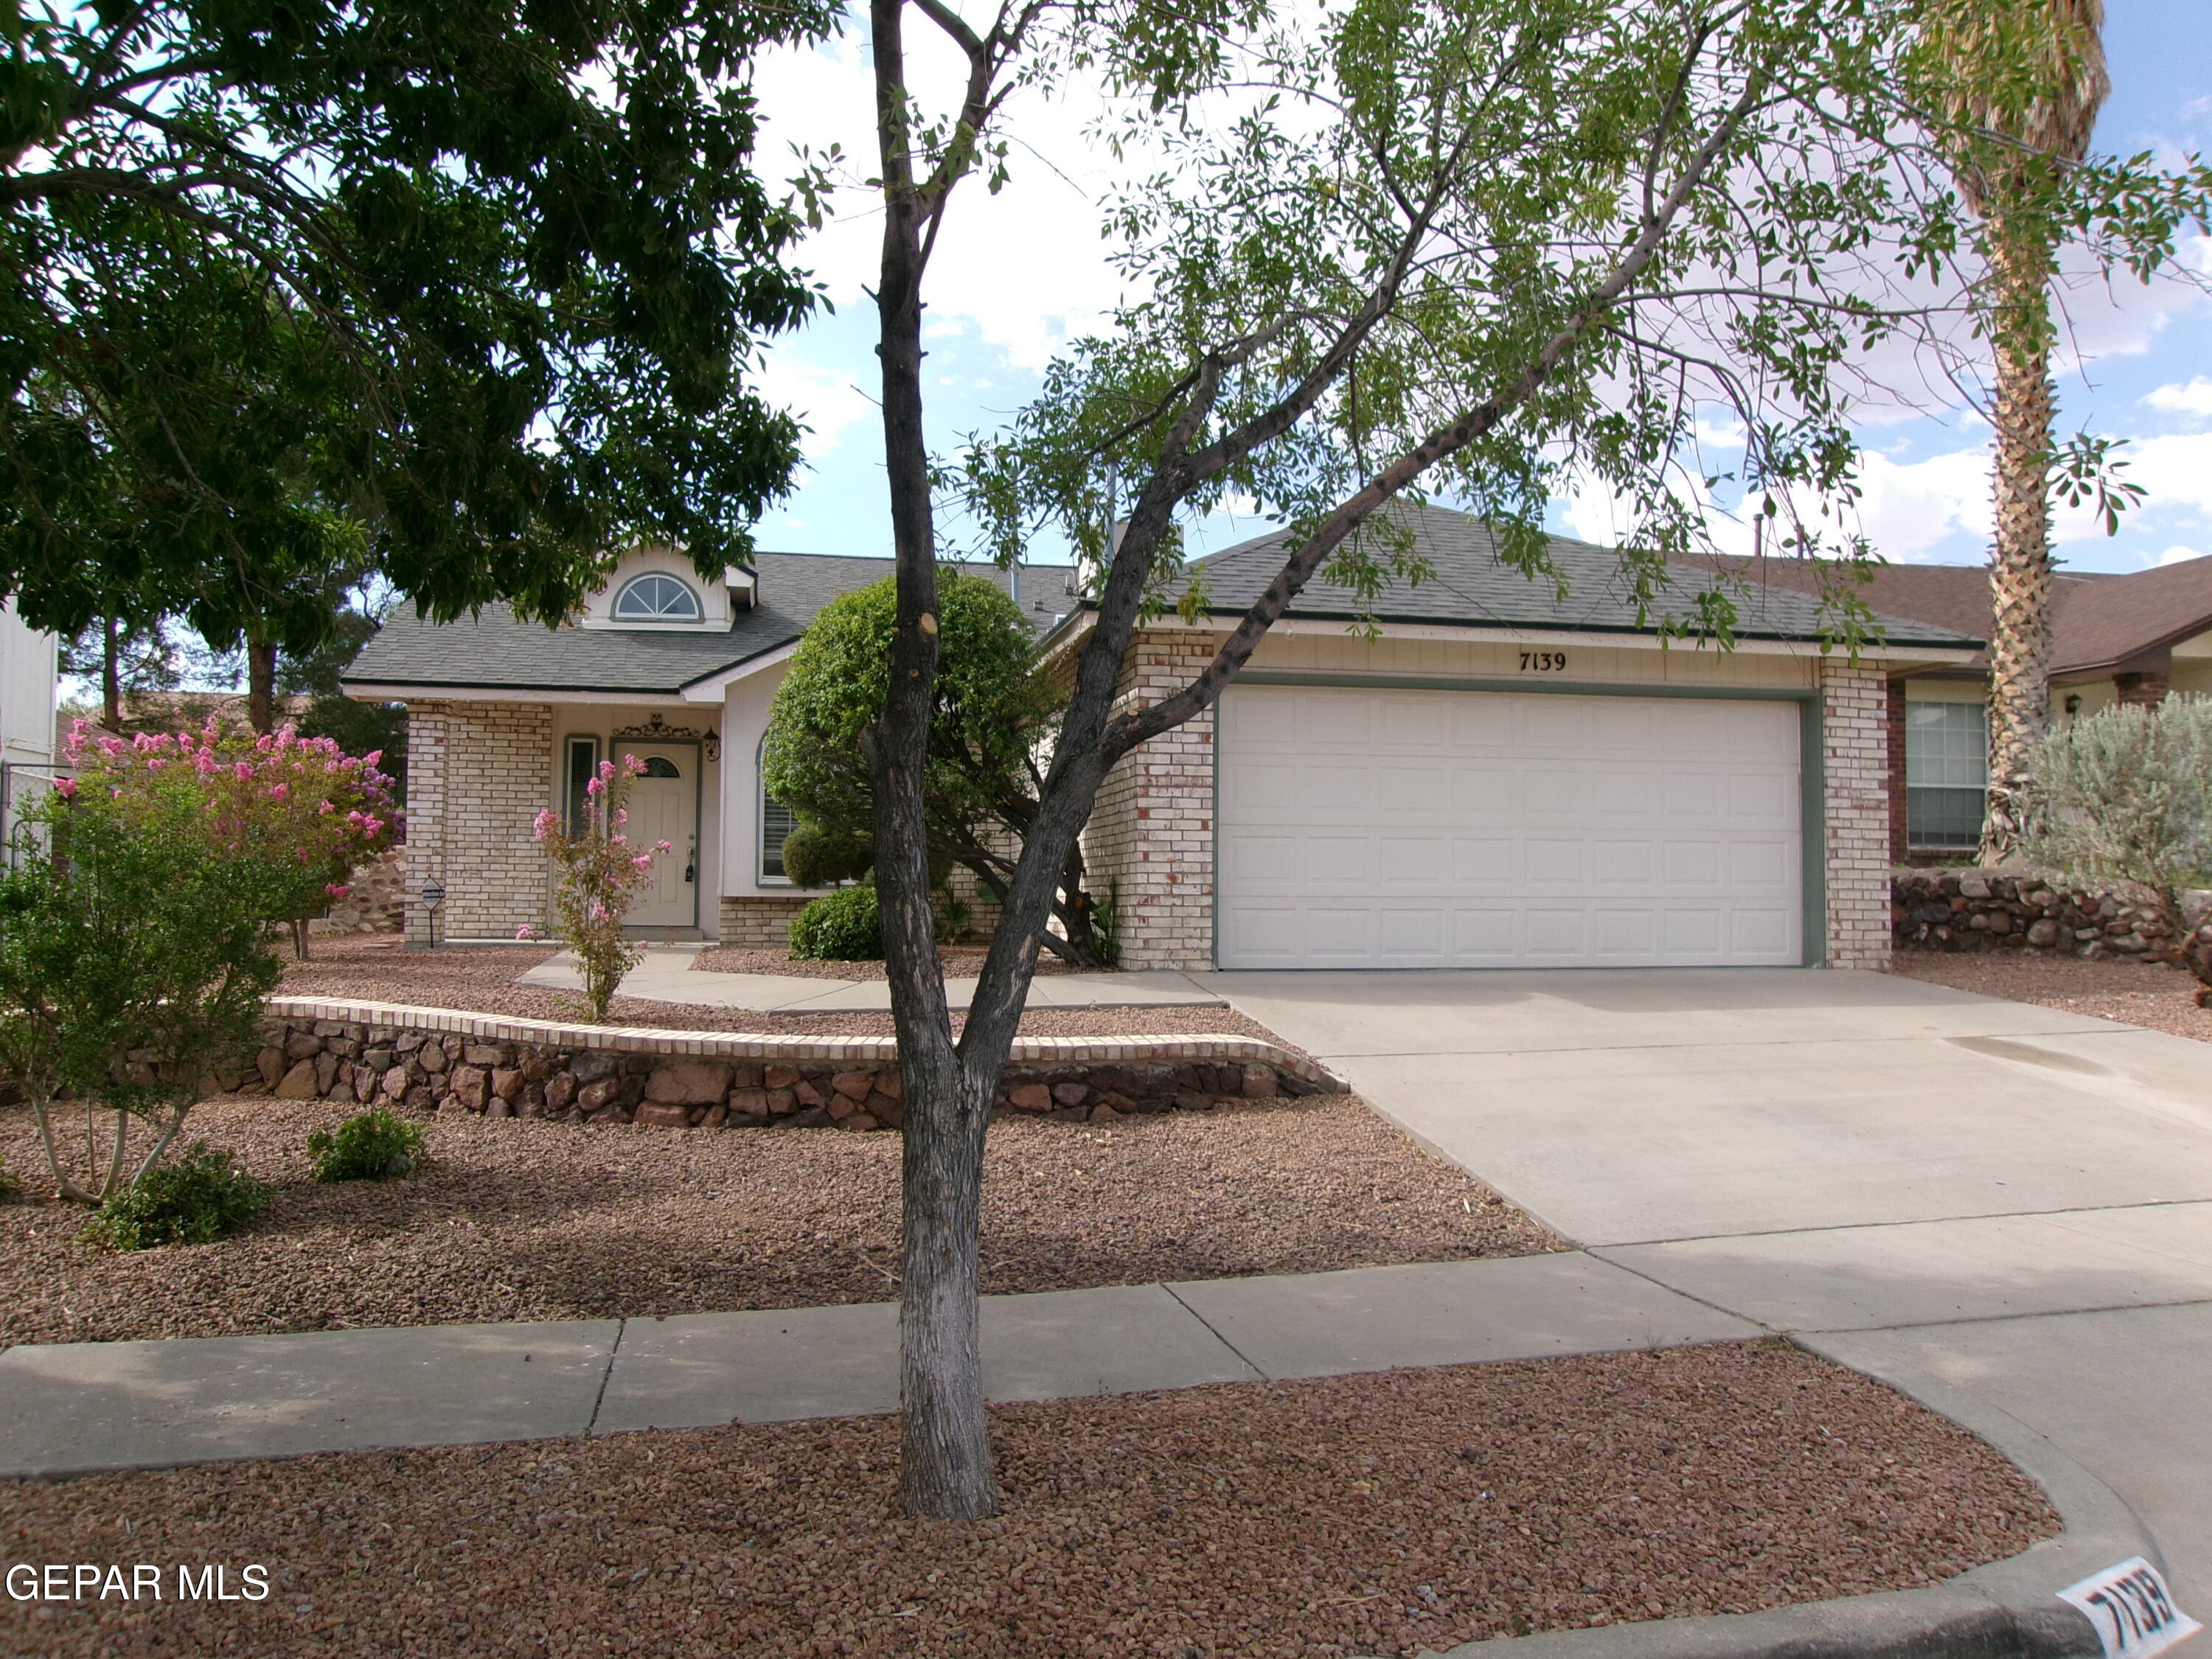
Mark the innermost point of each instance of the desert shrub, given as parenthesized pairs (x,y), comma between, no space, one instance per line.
(368,1146)
(193,1199)
(840,927)
(134,957)
(2125,794)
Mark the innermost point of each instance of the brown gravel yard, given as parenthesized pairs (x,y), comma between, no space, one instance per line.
(482,977)
(1384,1514)
(519,1219)
(2146,993)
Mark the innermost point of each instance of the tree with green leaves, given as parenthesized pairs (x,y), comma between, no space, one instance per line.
(1494,249)
(467,290)
(996,712)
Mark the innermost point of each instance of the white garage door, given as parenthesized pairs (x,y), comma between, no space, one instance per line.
(1387,829)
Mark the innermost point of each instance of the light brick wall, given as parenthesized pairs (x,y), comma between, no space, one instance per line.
(1855,737)
(478,774)
(756,923)
(1150,836)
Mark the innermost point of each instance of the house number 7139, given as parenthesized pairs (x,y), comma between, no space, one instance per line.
(1542,662)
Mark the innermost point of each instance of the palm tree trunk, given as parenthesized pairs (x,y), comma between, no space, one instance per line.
(2020,556)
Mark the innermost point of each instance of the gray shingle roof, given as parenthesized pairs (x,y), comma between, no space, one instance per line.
(493,651)
(1473,586)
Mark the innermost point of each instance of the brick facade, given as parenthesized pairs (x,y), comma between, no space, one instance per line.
(1855,721)
(478,774)
(758,923)
(1900,825)
(1150,842)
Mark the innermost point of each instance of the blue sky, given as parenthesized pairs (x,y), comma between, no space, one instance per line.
(1018,274)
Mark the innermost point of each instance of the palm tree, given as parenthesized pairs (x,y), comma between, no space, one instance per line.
(2023,81)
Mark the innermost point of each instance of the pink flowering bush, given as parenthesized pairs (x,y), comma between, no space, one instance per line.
(597,876)
(301,809)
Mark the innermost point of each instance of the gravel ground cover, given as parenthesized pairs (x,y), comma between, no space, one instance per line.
(482,977)
(960,961)
(2146,993)
(519,1219)
(1385,1513)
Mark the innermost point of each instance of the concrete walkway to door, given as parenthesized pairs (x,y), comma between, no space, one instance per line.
(2015,1199)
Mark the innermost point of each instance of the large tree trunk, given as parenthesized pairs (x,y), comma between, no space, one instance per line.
(261,684)
(945,1444)
(2019,556)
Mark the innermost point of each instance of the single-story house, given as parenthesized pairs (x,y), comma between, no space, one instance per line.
(2126,638)
(1491,775)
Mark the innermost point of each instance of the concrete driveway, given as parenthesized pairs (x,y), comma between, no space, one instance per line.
(2015,1199)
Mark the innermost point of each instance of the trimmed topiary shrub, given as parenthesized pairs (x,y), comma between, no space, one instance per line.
(368,1146)
(840,927)
(193,1199)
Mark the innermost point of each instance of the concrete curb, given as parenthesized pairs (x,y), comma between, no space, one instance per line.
(2008,1609)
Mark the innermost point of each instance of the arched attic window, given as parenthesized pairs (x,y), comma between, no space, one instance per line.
(656,598)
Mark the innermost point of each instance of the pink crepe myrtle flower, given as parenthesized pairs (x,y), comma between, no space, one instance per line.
(541,826)
(369,760)
(526,931)
(244,770)
(337,889)
(279,791)
(325,808)
(65,787)
(596,788)
(642,861)
(111,747)
(661,847)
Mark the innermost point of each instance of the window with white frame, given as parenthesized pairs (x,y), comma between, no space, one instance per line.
(1947,773)
(656,597)
(583,767)
(776,822)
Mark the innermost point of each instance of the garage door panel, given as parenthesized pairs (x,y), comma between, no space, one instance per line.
(1393,829)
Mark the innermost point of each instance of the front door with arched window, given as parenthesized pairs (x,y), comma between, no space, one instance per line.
(664,805)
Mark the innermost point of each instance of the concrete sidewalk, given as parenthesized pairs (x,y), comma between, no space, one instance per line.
(666,975)
(2015,1199)
(73,1409)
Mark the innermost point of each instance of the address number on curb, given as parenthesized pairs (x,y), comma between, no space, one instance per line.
(2132,1609)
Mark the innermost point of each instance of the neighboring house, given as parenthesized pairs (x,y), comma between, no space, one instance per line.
(28,664)
(1493,777)
(2115,638)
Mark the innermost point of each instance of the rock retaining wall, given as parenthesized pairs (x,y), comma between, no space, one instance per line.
(432,1060)
(2005,909)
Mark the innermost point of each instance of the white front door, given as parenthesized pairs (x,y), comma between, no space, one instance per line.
(664,805)
(1390,828)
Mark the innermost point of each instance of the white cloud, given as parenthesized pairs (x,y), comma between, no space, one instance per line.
(2176,554)
(2194,399)
(2175,469)
(825,399)
(1024,271)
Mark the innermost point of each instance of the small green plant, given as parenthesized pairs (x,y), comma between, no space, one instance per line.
(840,927)
(192,1199)
(368,1146)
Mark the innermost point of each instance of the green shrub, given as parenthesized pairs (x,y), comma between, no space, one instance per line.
(840,927)
(192,1199)
(368,1146)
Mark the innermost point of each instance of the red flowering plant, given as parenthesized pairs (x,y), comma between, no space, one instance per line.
(302,810)
(596,875)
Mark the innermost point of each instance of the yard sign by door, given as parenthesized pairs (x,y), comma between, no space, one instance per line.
(664,805)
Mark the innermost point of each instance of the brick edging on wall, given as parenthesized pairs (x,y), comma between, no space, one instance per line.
(450,1059)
